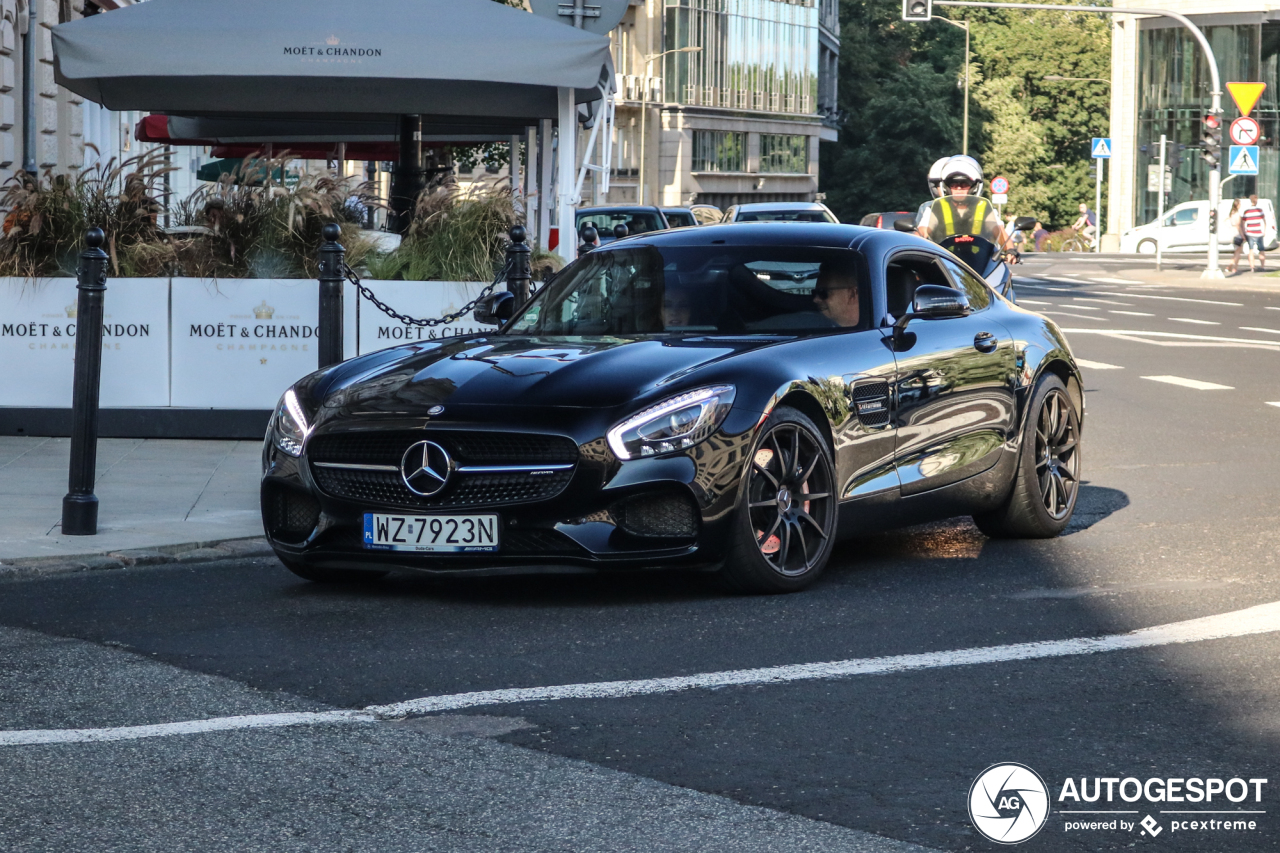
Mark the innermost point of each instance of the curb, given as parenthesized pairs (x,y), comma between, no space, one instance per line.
(186,553)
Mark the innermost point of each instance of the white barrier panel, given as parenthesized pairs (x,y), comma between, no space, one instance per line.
(37,342)
(239,343)
(421,299)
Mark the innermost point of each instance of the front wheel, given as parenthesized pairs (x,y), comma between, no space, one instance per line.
(786,515)
(1047,482)
(1147,247)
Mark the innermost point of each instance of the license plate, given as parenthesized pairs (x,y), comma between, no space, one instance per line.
(431,533)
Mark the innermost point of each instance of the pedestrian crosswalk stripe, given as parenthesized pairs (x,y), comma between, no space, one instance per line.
(1197,322)
(1097,365)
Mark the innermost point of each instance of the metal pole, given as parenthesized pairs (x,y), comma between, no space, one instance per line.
(29,40)
(1097,209)
(408,179)
(331,279)
(545,201)
(644,113)
(518,270)
(1212,270)
(568,155)
(80,505)
(1160,204)
(965,147)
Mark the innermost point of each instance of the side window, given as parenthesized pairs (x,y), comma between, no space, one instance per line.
(1186,217)
(903,275)
(975,288)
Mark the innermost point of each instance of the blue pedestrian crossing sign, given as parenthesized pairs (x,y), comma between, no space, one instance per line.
(1243,160)
(1101,149)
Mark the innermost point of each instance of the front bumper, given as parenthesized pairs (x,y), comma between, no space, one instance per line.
(655,513)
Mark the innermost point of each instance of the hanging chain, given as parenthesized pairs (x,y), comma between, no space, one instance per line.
(413,321)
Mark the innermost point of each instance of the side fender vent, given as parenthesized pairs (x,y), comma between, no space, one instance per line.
(871,402)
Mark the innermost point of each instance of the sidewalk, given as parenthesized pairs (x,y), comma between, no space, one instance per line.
(165,498)
(1176,271)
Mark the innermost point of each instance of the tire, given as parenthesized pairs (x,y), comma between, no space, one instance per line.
(1074,244)
(780,544)
(1147,247)
(334,576)
(1047,483)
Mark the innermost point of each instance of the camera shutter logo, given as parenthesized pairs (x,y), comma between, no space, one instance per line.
(1008,803)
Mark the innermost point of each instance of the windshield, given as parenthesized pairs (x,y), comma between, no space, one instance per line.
(784,216)
(637,221)
(679,218)
(729,290)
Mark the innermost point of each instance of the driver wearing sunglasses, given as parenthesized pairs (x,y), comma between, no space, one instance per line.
(836,295)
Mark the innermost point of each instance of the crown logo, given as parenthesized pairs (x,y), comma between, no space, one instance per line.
(71,310)
(264,311)
(332,40)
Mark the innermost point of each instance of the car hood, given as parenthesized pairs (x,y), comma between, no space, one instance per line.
(518,371)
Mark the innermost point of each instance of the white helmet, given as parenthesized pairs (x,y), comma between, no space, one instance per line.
(936,175)
(962,165)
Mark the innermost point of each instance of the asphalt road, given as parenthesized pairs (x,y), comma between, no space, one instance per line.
(1177,521)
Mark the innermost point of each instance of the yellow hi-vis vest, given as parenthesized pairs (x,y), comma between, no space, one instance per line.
(949,219)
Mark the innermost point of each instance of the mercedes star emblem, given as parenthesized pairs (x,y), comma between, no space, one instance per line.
(425,468)
(435,410)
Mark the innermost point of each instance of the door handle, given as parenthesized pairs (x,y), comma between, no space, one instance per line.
(985,342)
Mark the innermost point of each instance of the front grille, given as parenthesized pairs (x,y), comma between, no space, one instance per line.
(871,400)
(290,515)
(666,514)
(466,448)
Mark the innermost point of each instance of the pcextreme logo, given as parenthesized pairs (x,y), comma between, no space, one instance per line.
(1008,803)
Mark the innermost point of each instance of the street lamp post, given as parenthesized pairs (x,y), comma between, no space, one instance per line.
(644,107)
(964,25)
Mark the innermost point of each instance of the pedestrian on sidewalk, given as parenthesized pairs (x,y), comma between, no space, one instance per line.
(1254,222)
(1040,234)
(1237,234)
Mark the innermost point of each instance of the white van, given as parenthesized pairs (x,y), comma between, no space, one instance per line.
(1185,228)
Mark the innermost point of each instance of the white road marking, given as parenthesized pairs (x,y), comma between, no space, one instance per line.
(1178,339)
(1256,329)
(1097,365)
(1190,383)
(1261,619)
(1116,280)
(1277,405)
(1082,307)
(1175,299)
(1133,313)
(1077,316)
(1197,322)
(1272,307)
(1033,302)
(1095,300)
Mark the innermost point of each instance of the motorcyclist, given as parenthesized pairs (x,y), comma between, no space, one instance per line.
(962,210)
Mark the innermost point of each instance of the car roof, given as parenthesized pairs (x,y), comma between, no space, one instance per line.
(618,208)
(821,234)
(781,205)
(679,209)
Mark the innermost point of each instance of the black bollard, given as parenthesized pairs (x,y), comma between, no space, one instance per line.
(80,506)
(589,236)
(620,231)
(331,279)
(518,269)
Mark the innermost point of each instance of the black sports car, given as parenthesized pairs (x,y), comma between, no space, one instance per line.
(732,398)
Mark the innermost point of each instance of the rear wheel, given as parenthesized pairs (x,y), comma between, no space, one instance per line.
(316,575)
(786,517)
(1147,247)
(1044,491)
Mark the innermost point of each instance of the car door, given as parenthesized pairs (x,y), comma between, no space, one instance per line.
(954,390)
(1187,231)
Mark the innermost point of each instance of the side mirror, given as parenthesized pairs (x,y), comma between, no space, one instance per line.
(1024,223)
(496,308)
(931,302)
(906,225)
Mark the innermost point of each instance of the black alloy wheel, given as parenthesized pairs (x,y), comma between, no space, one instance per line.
(787,514)
(1047,481)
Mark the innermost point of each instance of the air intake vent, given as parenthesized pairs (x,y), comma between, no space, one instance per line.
(290,515)
(871,401)
(664,514)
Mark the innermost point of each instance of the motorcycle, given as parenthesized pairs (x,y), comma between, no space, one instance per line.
(979,254)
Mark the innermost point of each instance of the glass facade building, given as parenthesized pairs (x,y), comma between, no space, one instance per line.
(759,55)
(1172,97)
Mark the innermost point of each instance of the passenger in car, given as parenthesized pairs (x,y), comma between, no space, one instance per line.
(836,295)
(677,308)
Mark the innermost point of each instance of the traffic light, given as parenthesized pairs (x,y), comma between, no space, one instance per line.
(1212,139)
(917,10)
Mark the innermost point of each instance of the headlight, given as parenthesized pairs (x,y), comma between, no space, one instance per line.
(289,426)
(672,425)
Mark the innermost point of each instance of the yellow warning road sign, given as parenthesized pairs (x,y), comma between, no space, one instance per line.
(1246,95)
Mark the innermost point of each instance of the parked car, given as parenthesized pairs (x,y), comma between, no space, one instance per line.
(666,403)
(639,219)
(885,220)
(1185,228)
(706,214)
(679,217)
(780,211)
